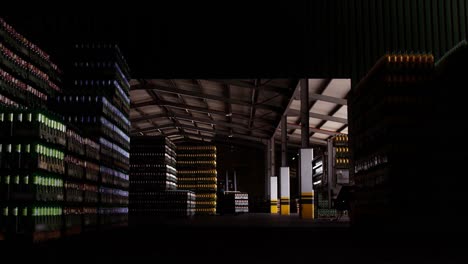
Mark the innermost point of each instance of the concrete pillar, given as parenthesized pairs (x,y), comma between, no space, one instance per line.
(284,141)
(284,193)
(307,192)
(274,195)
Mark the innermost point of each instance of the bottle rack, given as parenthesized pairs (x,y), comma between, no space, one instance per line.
(196,169)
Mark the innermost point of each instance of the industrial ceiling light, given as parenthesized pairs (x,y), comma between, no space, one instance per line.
(230,135)
(229,114)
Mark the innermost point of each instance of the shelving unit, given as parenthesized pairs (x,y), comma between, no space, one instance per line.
(196,170)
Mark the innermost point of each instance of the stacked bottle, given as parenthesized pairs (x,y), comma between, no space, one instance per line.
(196,170)
(154,180)
(97,103)
(388,112)
(32,141)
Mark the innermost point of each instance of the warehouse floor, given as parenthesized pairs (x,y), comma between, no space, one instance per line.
(246,238)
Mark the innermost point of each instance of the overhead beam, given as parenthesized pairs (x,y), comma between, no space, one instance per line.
(294,112)
(201,120)
(304,113)
(225,133)
(329,99)
(315,130)
(147,129)
(160,88)
(243,84)
(253,98)
(192,108)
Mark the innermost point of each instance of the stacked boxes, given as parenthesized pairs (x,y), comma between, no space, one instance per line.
(153,181)
(32,141)
(196,170)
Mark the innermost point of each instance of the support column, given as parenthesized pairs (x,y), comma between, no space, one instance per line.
(329,170)
(284,186)
(284,140)
(307,192)
(267,169)
(235,181)
(274,195)
(306,156)
(284,194)
(273,157)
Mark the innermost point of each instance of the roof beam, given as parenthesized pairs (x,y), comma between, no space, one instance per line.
(195,94)
(193,108)
(254,98)
(147,129)
(294,112)
(243,84)
(225,133)
(315,130)
(326,98)
(201,120)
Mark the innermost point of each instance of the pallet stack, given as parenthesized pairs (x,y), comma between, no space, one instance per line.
(196,170)
(32,141)
(154,180)
(389,112)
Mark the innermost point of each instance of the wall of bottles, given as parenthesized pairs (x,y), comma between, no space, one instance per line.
(32,141)
(196,170)
(386,109)
(154,181)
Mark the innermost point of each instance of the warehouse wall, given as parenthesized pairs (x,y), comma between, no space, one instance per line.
(345,38)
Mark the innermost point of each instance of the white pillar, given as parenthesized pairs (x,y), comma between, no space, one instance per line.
(307,191)
(284,194)
(274,194)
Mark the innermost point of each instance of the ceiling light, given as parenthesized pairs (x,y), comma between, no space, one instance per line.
(229,114)
(230,135)
(293,158)
(141,133)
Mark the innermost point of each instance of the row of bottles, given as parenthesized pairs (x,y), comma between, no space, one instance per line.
(196,148)
(75,142)
(31,187)
(5,101)
(40,78)
(34,48)
(31,156)
(370,162)
(196,186)
(197,172)
(340,140)
(192,162)
(21,86)
(185,155)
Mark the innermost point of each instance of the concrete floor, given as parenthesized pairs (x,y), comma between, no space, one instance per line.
(260,238)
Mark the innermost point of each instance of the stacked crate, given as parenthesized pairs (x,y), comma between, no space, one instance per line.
(96,101)
(196,170)
(32,141)
(235,202)
(154,180)
(388,114)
